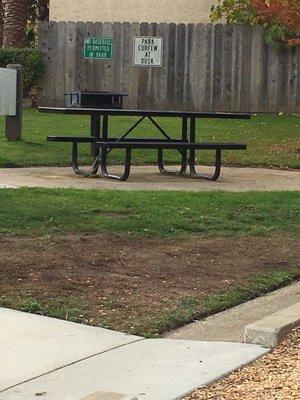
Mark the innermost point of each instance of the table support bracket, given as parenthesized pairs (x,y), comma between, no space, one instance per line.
(78,171)
(218,164)
(126,173)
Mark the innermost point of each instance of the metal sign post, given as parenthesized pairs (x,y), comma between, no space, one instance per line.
(11,97)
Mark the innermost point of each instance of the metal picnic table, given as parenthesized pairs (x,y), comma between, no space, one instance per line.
(103,143)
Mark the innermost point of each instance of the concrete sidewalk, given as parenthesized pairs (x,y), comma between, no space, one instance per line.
(59,360)
(148,178)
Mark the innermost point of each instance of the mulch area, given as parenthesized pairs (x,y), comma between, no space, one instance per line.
(128,283)
(275,376)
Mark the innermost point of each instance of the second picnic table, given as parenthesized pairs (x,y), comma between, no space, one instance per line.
(103,143)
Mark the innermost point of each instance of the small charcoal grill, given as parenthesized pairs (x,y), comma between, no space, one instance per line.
(84,99)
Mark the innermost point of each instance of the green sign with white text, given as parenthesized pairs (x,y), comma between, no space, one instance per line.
(98,48)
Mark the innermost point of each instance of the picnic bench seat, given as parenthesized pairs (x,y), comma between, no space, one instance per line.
(75,140)
(160,145)
(91,139)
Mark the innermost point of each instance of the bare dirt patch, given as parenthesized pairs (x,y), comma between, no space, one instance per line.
(127,283)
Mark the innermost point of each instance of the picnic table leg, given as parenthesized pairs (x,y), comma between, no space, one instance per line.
(75,159)
(192,160)
(95,132)
(104,154)
(105,172)
(94,168)
(160,161)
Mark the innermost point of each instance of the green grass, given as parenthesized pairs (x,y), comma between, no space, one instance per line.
(61,307)
(272,140)
(257,285)
(57,211)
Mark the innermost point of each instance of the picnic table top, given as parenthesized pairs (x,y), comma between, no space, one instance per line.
(141,113)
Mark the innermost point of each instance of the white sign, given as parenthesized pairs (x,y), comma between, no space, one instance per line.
(147,51)
(8,92)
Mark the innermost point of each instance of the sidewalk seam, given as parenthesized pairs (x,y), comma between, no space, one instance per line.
(72,363)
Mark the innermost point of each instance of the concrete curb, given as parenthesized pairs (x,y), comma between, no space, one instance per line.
(269,331)
(4,186)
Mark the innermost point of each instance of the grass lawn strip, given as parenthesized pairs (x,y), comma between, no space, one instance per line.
(147,213)
(273,141)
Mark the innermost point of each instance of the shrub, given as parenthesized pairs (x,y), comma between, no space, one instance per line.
(280,18)
(30,59)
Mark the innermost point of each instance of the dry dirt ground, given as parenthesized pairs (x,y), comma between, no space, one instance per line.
(129,283)
(276,376)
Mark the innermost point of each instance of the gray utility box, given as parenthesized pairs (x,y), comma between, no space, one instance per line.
(84,99)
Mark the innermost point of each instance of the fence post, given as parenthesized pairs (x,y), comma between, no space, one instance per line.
(13,124)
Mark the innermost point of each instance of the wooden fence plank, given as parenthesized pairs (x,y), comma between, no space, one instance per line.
(199,62)
(179,65)
(162,73)
(171,66)
(263,103)
(189,61)
(98,65)
(217,68)
(88,63)
(126,74)
(237,44)
(108,75)
(143,74)
(297,107)
(292,80)
(272,81)
(226,88)
(282,82)
(70,56)
(117,58)
(52,63)
(209,68)
(61,47)
(43,46)
(153,75)
(255,76)
(246,69)
(79,70)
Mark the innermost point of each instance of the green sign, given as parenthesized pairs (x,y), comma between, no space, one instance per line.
(98,48)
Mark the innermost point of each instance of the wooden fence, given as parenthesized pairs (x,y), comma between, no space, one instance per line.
(205,67)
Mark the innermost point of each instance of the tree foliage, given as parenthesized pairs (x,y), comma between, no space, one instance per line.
(30,59)
(38,10)
(281,18)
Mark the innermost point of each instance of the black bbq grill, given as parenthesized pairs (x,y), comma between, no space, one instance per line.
(84,99)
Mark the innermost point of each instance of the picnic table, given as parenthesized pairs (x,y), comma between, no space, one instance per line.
(103,143)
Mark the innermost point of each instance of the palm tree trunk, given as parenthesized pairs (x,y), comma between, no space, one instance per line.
(15,22)
(44,10)
(1,23)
